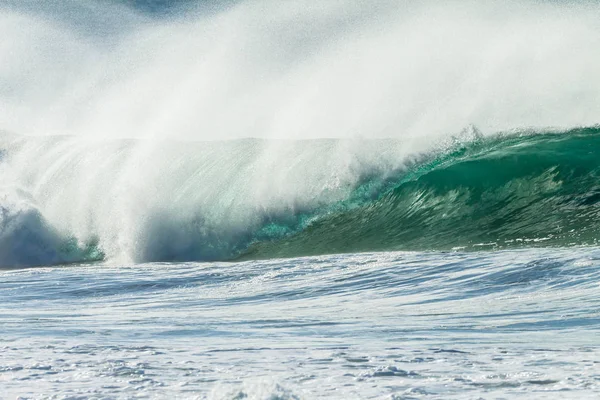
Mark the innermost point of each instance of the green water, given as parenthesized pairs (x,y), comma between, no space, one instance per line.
(509,190)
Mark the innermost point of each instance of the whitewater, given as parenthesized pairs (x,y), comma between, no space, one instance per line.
(265,200)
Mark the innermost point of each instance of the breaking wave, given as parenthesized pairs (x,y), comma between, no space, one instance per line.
(69,200)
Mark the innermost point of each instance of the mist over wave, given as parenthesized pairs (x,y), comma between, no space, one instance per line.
(136,112)
(218,70)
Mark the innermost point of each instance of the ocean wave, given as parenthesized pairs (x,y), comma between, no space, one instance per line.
(138,202)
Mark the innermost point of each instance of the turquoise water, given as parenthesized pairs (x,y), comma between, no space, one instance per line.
(504,191)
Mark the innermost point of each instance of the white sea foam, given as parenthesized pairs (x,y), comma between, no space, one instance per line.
(516,324)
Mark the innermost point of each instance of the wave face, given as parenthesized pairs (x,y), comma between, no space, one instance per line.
(504,191)
(71,200)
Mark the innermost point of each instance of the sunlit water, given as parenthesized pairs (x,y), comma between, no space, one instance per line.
(507,324)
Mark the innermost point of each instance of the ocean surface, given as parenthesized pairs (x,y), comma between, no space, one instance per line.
(470,272)
(272,200)
(389,325)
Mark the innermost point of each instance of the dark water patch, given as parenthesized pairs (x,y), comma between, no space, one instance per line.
(542,381)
